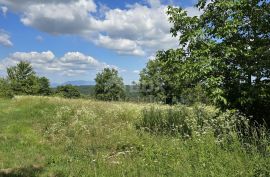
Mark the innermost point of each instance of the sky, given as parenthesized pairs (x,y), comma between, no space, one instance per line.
(67,40)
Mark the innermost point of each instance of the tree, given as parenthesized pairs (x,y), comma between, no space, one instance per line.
(5,89)
(227,50)
(23,79)
(68,91)
(161,77)
(109,86)
(44,86)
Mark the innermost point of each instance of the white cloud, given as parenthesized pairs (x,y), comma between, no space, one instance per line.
(193,11)
(4,10)
(154,3)
(136,71)
(5,39)
(71,64)
(59,18)
(137,30)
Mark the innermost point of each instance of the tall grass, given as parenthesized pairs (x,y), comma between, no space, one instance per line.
(42,136)
(193,122)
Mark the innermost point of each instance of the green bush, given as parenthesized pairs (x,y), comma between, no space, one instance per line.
(68,91)
(5,89)
(190,121)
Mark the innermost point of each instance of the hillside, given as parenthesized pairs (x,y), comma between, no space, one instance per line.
(46,136)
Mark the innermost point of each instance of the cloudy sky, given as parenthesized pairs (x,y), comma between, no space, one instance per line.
(69,40)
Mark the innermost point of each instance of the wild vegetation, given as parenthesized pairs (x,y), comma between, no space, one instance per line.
(216,91)
(64,137)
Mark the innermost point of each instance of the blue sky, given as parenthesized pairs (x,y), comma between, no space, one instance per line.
(69,40)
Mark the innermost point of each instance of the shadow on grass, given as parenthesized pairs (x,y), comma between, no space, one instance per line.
(31,171)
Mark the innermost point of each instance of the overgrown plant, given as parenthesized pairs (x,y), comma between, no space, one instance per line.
(5,89)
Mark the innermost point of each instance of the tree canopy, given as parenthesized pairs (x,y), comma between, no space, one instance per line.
(227,50)
(23,80)
(109,86)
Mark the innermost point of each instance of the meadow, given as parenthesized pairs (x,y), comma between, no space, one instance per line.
(50,136)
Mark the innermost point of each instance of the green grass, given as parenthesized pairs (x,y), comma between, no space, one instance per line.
(42,136)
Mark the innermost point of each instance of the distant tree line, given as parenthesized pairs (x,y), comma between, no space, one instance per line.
(22,80)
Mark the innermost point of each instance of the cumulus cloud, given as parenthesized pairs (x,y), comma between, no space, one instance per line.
(136,30)
(71,64)
(5,39)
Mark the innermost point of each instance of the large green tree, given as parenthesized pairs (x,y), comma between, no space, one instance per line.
(227,50)
(164,79)
(44,86)
(23,78)
(109,86)
(161,77)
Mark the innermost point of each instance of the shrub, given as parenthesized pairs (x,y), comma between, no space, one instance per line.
(190,121)
(68,91)
(5,89)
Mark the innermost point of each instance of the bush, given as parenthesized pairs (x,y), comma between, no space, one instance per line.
(5,89)
(68,91)
(190,121)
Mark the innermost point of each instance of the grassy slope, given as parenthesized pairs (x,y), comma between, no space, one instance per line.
(58,137)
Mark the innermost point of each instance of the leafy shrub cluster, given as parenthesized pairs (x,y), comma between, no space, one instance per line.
(5,89)
(67,91)
(189,121)
(22,80)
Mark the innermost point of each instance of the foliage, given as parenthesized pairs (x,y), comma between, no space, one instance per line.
(68,91)
(109,86)
(44,86)
(227,50)
(5,89)
(52,136)
(188,122)
(23,79)
(163,78)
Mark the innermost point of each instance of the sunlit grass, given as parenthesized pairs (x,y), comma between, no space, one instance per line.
(46,136)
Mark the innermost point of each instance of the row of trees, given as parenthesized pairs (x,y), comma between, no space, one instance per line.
(225,51)
(22,80)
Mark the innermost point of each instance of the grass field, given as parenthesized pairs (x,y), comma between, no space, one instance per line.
(42,136)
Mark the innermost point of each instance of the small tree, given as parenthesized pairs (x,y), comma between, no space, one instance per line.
(109,86)
(44,86)
(5,89)
(23,79)
(68,91)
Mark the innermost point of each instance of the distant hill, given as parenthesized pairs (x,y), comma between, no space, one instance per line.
(74,83)
(131,91)
(88,88)
(79,83)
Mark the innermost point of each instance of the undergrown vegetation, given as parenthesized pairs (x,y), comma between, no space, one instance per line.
(52,136)
(227,127)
